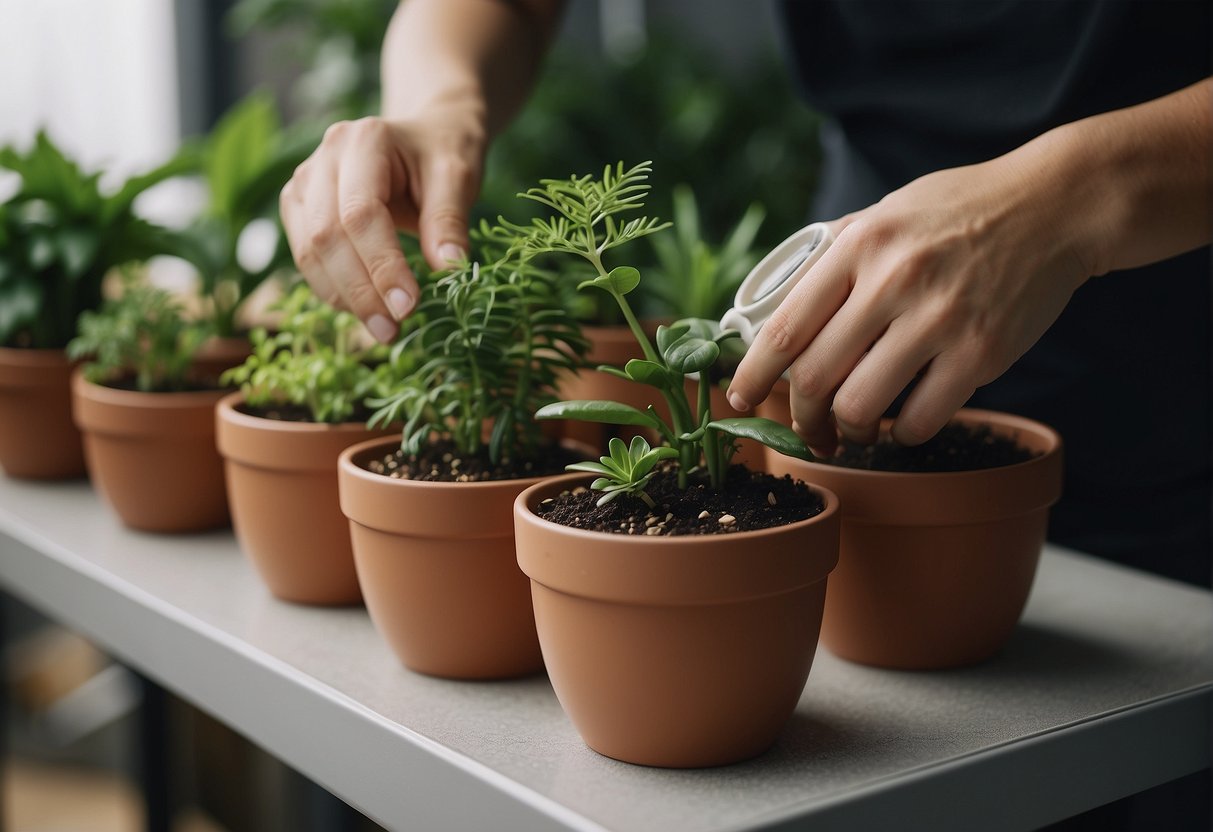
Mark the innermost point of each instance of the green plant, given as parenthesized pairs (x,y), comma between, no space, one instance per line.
(141,333)
(588,223)
(626,469)
(694,278)
(494,339)
(245,161)
(317,360)
(59,237)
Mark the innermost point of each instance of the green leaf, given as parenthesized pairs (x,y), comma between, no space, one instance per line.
(667,335)
(620,281)
(690,354)
(650,372)
(609,413)
(241,144)
(770,433)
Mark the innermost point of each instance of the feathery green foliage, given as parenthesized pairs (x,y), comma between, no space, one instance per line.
(141,333)
(315,360)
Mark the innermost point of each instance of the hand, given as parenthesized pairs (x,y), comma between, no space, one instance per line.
(949,279)
(342,207)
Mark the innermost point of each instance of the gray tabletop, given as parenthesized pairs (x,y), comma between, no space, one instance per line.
(1105,689)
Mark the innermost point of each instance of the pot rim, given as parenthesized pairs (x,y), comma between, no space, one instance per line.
(226,408)
(116,397)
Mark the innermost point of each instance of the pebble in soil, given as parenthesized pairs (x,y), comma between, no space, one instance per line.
(749,500)
(442,462)
(957,447)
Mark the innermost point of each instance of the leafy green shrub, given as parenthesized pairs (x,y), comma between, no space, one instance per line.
(142,334)
(245,161)
(492,340)
(316,360)
(59,237)
(590,220)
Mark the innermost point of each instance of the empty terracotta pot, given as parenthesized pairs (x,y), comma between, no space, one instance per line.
(934,569)
(282,491)
(437,569)
(682,651)
(38,439)
(152,455)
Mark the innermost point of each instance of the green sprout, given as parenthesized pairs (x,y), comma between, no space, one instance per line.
(626,470)
(589,222)
(315,360)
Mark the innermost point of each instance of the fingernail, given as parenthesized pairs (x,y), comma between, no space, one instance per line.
(400,302)
(383,329)
(450,252)
(738,402)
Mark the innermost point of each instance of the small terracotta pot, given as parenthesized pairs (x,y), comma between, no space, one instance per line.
(682,651)
(38,439)
(282,491)
(934,570)
(152,455)
(437,569)
(220,354)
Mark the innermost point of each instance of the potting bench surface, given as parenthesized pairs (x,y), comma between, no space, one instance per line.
(1104,690)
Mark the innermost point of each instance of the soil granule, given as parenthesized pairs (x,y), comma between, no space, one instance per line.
(957,447)
(442,462)
(749,500)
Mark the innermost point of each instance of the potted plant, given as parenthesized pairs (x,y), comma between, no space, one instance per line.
(694,278)
(302,401)
(430,513)
(59,237)
(244,161)
(147,421)
(678,599)
(940,543)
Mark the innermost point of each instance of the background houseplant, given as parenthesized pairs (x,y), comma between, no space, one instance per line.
(149,432)
(60,234)
(301,403)
(632,596)
(430,518)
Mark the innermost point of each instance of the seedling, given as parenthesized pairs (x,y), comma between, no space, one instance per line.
(626,470)
(588,223)
(316,360)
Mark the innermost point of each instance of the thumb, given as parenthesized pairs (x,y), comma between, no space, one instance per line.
(448,188)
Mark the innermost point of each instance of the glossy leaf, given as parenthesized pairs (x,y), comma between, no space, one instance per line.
(609,413)
(770,433)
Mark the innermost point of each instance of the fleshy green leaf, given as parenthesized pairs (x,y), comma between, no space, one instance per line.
(609,413)
(649,372)
(770,433)
(620,281)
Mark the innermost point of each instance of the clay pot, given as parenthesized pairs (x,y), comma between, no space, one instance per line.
(38,439)
(220,354)
(282,491)
(437,569)
(676,651)
(934,570)
(152,455)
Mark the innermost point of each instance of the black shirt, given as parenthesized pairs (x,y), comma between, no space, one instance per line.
(1125,373)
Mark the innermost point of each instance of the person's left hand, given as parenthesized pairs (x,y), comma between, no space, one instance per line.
(952,277)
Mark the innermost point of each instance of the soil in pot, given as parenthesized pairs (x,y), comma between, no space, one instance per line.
(435,557)
(957,447)
(38,439)
(684,650)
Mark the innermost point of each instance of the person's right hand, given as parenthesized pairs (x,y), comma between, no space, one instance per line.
(368,178)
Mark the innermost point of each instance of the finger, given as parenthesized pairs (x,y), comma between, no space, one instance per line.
(290,210)
(365,183)
(943,389)
(813,422)
(448,188)
(879,377)
(791,327)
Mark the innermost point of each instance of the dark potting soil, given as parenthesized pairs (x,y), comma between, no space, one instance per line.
(749,500)
(443,462)
(957,447)
(130,384)
(293,413)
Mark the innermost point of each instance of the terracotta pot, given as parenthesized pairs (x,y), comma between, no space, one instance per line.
(38,439)
(437,569)
(282,491)
(676,651)
(152,455)
(934,569)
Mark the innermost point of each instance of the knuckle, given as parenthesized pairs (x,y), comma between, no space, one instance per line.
(362,298)
(369,127)
(914,428)
(854,409)
(385,267)
(336,132)
(780,332)
(357,214)
(807,380)
(320,238)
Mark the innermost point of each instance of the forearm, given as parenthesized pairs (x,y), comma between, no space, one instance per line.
(1133,186)
(478,55)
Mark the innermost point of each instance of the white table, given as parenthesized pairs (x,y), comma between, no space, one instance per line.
(1105,689)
